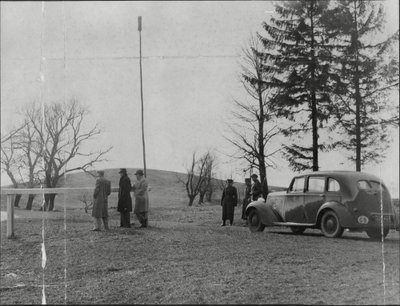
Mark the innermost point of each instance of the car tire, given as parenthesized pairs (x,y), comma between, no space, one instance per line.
(297,229)
(254,221)
(330,225)
(375,233)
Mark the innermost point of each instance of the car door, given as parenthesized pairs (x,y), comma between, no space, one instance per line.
(294,202)
(319,190)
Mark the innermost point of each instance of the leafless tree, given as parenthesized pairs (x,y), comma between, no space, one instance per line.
(29,145)
(87,200)
(62,136)
(206,188)
(255,125)
(10,160)
(197,175)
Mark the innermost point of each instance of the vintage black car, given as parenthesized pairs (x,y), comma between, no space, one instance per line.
(331,201)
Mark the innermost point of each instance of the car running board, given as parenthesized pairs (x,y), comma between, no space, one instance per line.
(293,224)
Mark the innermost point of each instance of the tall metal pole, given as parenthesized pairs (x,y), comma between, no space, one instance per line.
(141,92)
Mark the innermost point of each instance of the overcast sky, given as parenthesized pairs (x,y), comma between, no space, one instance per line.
(190,76)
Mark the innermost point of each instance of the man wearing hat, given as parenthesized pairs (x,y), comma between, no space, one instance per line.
(100,201)
(256,190)
(228,202)
(124,198)
(141,198)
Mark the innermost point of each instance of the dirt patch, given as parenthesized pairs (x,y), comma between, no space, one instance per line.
(186,257)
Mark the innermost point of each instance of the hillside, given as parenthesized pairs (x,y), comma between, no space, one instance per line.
(164,185)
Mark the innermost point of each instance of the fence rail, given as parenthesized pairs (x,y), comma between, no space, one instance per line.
(10,192)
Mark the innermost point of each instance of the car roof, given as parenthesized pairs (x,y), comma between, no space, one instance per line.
(343,174)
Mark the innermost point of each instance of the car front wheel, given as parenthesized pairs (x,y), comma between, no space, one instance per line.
(330,225)
(254,221)
(375,233)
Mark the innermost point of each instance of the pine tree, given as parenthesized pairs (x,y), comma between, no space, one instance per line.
(365,74)
(296,43)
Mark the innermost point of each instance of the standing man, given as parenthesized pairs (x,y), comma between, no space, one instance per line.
(100,201)
(256,190)
(141,198)
(124,198)
(228,202)
(246,197)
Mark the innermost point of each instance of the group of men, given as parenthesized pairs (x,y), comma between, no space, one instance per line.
(103,190)
(229,198)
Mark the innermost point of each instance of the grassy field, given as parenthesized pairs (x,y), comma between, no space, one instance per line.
(186,257)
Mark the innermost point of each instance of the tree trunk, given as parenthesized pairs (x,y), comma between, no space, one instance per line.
(52,200)
(30,202)
(49,201)
(314,110)
(191,199)
(201,198)
(17,199)
(357,95)
(209,196)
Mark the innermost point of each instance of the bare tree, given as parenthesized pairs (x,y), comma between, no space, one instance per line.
(207,185)
(10,160)
(87,200)
(197,174)
(62,137)
(29,145)
(255,127)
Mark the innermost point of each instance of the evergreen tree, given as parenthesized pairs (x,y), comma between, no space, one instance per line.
(365,75)
(297,43)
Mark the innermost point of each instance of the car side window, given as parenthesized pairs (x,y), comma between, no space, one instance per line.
(333,185)
(298,185)
(316,184)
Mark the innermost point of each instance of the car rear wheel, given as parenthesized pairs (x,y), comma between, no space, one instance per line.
(297,229)
(330,225)
(375,233)
(254,221)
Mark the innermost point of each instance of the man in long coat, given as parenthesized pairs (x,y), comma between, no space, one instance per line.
(228,202)
(124,199)
(141,198)
(100,201)
(256,190)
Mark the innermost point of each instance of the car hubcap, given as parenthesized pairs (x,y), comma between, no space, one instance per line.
(254,220)
(330,225)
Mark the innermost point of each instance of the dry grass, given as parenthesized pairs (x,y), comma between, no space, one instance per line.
(185,257)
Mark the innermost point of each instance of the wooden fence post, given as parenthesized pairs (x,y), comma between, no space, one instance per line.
(10,216)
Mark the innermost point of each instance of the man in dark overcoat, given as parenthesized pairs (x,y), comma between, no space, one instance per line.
(100,201)
(256,190)
(124,199)
(141,198)
(246,197)
(228,202)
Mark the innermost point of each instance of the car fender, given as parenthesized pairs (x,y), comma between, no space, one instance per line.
(345,218)
(266,212)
